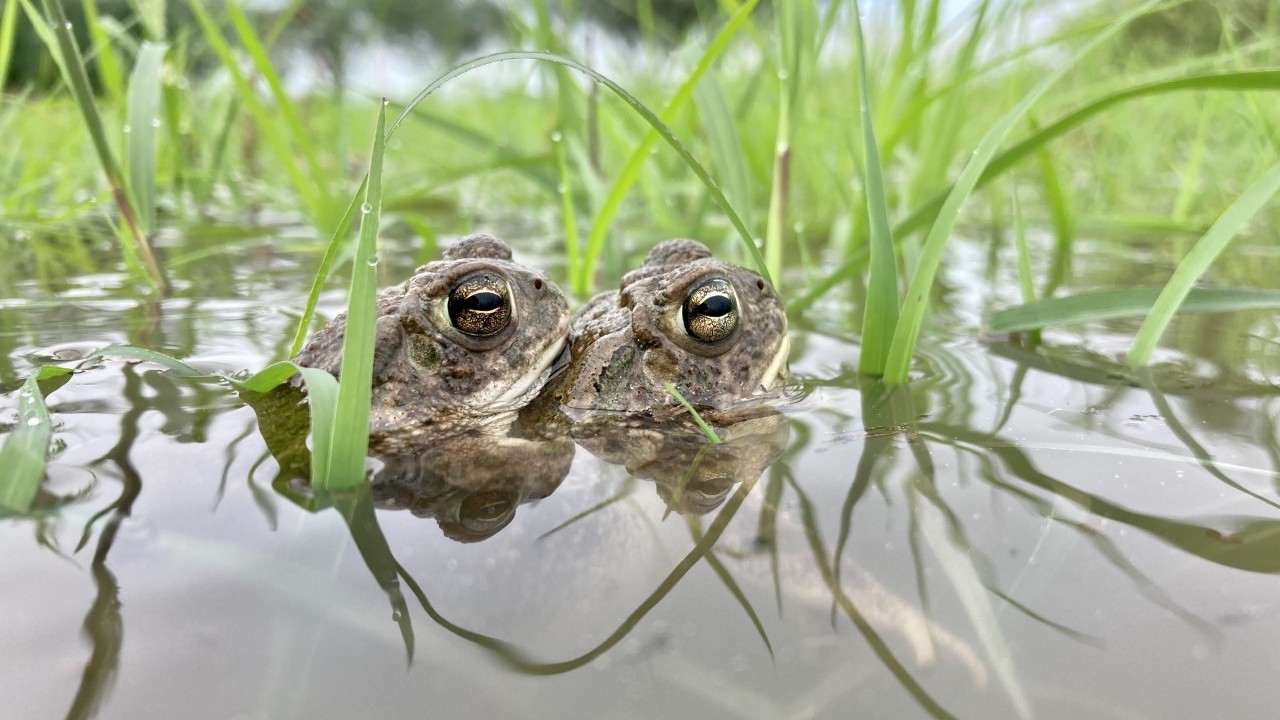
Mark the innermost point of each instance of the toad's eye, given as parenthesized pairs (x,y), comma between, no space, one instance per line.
(480,305)
(711,311)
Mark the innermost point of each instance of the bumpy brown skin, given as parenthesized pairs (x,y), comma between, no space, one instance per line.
(626,345)
(427,374)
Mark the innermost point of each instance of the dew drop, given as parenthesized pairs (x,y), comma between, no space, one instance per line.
(69,26)
(366,208)
(127,128)
(555,136)
(155,122)
(372,261)
(395,616)
(33,422)
(385,102)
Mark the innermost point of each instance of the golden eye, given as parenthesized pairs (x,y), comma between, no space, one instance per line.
(480,305)
(711,311)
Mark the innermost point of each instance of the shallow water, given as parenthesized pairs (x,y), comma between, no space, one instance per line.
(1023,532)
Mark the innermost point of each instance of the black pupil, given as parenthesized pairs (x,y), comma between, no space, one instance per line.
(714,306)
(483,302)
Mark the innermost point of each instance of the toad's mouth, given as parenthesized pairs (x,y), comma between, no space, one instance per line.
(531,382)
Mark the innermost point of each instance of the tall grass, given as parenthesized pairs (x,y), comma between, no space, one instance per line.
(774,154)
(55,30)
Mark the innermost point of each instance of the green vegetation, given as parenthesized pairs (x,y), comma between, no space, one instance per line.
(757,136)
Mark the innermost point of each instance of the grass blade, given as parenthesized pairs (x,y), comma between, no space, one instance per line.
(631,169)
(654,121)
(72,64)
(326,263)
(1025,282)
(351,423)
(1229,81)
(105,58)
(568,214)
(706,429)
(288,110)
(1127,302)
(7,25)
(726,145)
(322,403)
(130,352)
(880,316)
(318,211)
(916,302)
(143,125)
(25,451)
(1198,261)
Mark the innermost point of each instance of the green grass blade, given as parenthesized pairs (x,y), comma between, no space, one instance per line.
(272,134)
(351,424)
(1025,281)
(654,121)
(706,429)
(107,62)
(326,263)
(71,62)
(1230,81)
(1198,261)
(631,169)
(916,301)
(726,145)
(322,404)
(1249,81)
(143,123)
(27,447)
(7,25)
(284,104)
(1127,302)
(568,213)
(130,352)
(880,315)
(266,379)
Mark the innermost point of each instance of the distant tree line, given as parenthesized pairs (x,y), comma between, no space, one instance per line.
(330,28)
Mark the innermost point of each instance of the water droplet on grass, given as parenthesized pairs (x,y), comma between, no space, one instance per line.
(366,208)
(127,128)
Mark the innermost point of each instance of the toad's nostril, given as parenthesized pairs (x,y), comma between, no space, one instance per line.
(537,283)
(760,284)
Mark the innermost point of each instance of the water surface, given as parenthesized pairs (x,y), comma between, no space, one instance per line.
(1025,531)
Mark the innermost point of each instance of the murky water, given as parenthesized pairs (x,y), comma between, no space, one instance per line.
(1021,533)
